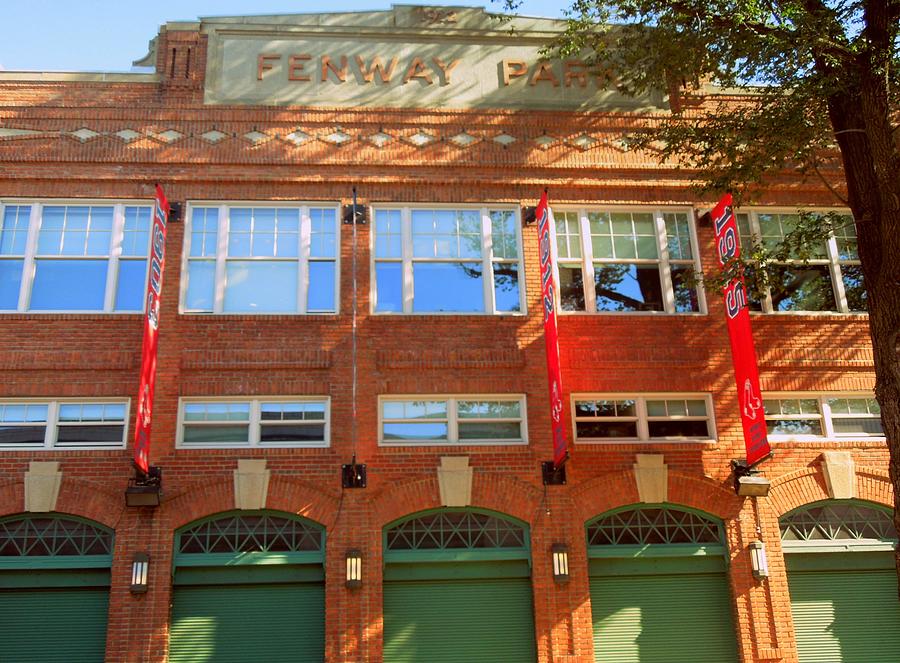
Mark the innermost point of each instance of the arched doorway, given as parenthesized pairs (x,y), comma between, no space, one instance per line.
(843,582)
(457,587)
(659,587)
(54,588)
(248,586)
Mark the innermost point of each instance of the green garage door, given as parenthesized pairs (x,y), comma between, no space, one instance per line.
(843,588)
(54,589)
(659,588)
(276,623)
(248,587)
(457,589)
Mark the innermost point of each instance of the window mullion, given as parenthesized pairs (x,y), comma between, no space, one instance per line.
(766,299)
(587,263)
(255,432)
(834,268)
(31,241)
(452,422)
(643,428)
(221,252)
(406,254)
(554,253)
(487,264)
(827,425)
(52,424)
(665,270)
(116,238)
(305,239)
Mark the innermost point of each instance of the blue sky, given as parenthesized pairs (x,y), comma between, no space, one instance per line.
(107,35)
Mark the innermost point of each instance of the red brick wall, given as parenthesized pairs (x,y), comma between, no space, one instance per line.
(96,355)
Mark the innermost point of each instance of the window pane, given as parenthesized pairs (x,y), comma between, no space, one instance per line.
(30,436)
(656,409)
(130,290)
(686,298)
(389,287)
(136,239)
(73,436)
(322,233)
(490,431)
(387,234)
(488,409)
(506,286)
(606,429)
(414,409)
(201,285)
(452,287)
(14,230)
(678,429)
(292,433)
(627,287)
(854,287)
(216,434)
(802,288)
(261,287)
(503,235)
(204,228)
(858,426)
(794,427)
(10,281)
(321,286)
(415,431)
(68,285)
(571,288)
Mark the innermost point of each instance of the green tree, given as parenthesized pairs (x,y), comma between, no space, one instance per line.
(819,87)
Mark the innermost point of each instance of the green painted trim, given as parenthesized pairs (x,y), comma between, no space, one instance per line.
(841,546)
(656,550)
(656,566)
(456,554)
(841,561)
(875,506)
(248,558)
(243,575)
(56,562)
(44,578)
(453,571)
(467,509)
(428,556)
(713,520)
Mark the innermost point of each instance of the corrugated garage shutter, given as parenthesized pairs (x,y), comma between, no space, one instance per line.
(46,625)
(663,618)
(457,589)
(249,586)
(845,616)
(54,589)
(459,621)
(241,623)
(659,587)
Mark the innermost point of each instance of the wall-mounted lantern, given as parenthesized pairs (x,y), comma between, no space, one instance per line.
(140,566)
(354,569)
(560,552)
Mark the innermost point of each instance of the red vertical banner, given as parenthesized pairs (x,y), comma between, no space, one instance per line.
(743,353)
(151,332)
(551,336)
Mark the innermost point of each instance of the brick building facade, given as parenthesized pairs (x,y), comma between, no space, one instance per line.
(646,368)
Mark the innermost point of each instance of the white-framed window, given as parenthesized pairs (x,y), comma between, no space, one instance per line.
(447,260)
(643,417)
(259,422)
(816,416)
(63,424)
(626,261)
(266,258)
(73,256)
(830,281)
(452,420)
